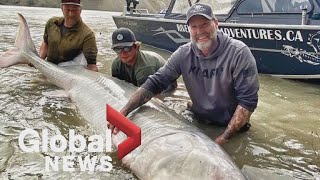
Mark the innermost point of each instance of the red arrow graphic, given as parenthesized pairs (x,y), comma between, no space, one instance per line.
(128,127)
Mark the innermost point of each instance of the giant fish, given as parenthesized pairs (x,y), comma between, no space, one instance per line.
(171,147)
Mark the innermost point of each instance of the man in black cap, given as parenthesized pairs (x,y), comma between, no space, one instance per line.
(132,64)
(68,36)
(219,73)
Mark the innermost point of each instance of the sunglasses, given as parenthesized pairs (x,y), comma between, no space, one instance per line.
(125,49)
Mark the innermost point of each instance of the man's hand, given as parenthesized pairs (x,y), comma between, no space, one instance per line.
(93,67)
(114,129)
(138,98)
(220,140)
(240,117)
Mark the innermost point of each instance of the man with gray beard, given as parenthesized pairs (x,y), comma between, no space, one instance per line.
(219,73)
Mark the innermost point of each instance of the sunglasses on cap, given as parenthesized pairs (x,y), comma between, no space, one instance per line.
(118,50)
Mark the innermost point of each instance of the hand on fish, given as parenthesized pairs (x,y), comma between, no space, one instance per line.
(114,129)
(220,140)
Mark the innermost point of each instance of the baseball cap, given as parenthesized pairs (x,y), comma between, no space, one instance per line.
(200,9)
(122,37)
(72,2)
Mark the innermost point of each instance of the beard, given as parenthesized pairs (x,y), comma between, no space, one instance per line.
(205,45)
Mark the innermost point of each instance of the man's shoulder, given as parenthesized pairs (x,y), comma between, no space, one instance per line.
(183,52)
(184,49)
(237,43)
(85,27)
(150,53)
(228,42)
(143,71)
(151,57)
(116,62)
(56,20)
(185,46)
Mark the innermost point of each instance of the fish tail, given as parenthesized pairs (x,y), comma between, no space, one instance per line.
(23,43)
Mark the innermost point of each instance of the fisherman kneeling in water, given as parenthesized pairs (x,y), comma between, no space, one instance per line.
(68,37)
(132,64)
(219,73)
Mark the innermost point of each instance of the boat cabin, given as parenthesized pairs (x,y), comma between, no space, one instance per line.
(252,11)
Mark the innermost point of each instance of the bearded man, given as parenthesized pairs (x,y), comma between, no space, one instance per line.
(219,73)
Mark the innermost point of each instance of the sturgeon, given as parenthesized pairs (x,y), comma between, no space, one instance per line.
(171,147)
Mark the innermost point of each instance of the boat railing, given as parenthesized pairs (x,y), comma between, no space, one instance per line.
(138,11)
(304,16)
(141,11)
(178,16)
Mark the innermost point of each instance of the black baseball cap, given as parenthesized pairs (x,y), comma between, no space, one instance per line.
(122,37)
(200,9)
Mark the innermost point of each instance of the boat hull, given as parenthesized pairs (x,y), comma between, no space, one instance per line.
(289,51)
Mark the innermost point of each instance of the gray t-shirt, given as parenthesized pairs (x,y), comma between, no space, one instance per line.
(217,83)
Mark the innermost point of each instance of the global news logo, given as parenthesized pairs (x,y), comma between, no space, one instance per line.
(30,141)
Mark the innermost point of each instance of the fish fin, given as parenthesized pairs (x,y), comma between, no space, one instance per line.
(23,37)
(22,43)
(11,57)
(56,94)
(41,80)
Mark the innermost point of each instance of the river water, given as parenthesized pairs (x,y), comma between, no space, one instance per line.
(284,138)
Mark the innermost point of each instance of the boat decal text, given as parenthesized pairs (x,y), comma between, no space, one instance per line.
(251,33)
(264,34)
(302,55)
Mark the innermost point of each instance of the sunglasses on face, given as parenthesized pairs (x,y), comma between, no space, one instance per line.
(118,50)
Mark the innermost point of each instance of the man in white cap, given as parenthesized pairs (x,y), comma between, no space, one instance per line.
(68,36)
(219,73)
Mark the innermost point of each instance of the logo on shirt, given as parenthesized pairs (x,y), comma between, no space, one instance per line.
(206,73)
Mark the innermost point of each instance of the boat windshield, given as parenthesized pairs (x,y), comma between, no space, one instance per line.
(218,6)
(273,6)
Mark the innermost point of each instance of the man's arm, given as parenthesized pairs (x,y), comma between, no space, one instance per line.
(43,52)
(90,51)
(246,88)
(240,117)
(139,97)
